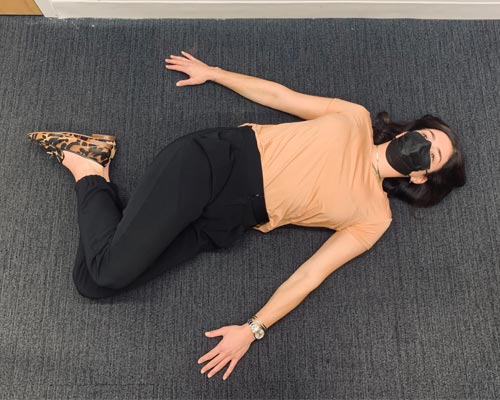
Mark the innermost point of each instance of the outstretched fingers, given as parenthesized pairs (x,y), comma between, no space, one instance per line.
(187,55)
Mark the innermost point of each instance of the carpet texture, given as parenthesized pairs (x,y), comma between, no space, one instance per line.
(416,317)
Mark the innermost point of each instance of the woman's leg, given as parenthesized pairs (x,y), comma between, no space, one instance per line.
(185,246)
(119,247)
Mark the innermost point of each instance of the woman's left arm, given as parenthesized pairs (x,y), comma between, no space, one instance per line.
(340,248)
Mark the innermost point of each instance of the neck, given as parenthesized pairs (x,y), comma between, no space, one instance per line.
(384,168)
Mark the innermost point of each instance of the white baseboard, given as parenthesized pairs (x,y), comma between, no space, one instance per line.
(224,9)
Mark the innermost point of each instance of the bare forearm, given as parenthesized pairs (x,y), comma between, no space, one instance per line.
(288,296)
(256,89)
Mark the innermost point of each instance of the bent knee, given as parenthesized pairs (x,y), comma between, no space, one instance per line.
(88,288)
(111,282)
(93,291)
(110,274)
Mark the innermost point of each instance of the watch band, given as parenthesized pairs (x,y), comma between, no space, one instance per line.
(257,327)
(259,322)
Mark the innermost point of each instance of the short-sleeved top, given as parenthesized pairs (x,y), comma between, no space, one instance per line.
(319,173)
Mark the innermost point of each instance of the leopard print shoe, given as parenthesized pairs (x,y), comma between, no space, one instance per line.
(110,139)
(87,146)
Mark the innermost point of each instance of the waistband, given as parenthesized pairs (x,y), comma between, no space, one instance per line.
(255,180)
(259,209)
(243,138)
(236,150)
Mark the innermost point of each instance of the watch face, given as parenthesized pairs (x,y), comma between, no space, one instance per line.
(259,334)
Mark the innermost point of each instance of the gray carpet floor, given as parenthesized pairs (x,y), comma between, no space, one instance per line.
(416,317)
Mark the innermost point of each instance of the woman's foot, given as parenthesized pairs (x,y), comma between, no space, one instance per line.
(81,166)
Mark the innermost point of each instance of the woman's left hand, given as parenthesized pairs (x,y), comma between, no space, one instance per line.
(236,340)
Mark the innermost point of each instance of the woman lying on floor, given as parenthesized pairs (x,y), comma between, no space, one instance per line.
(205,189)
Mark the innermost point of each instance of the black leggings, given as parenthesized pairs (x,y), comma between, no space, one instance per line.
(201,192)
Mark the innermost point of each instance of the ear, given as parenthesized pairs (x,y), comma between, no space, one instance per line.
(418,180)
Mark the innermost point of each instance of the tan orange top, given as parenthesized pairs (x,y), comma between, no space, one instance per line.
(318,173)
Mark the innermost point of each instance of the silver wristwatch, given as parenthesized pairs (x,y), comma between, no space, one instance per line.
(258,328)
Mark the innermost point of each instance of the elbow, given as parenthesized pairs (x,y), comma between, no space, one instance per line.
(313,283)
(308,282)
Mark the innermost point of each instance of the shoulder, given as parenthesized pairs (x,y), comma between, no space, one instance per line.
(346,107)
(377,227)
(357,115)
(370,232)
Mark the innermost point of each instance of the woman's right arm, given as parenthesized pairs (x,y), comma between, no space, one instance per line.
(261,91)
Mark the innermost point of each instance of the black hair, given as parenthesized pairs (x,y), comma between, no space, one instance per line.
(440,182)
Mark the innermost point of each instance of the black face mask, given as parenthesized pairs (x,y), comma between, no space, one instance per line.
(410,152)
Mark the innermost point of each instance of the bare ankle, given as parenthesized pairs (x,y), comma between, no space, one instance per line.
(106,173)
(81,167)
(82,173)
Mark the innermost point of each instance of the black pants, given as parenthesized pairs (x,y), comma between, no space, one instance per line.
(201,192)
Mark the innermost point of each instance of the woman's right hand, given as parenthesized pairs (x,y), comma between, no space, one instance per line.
(198,71)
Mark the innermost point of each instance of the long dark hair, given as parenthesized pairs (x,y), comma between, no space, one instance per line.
(439,183)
